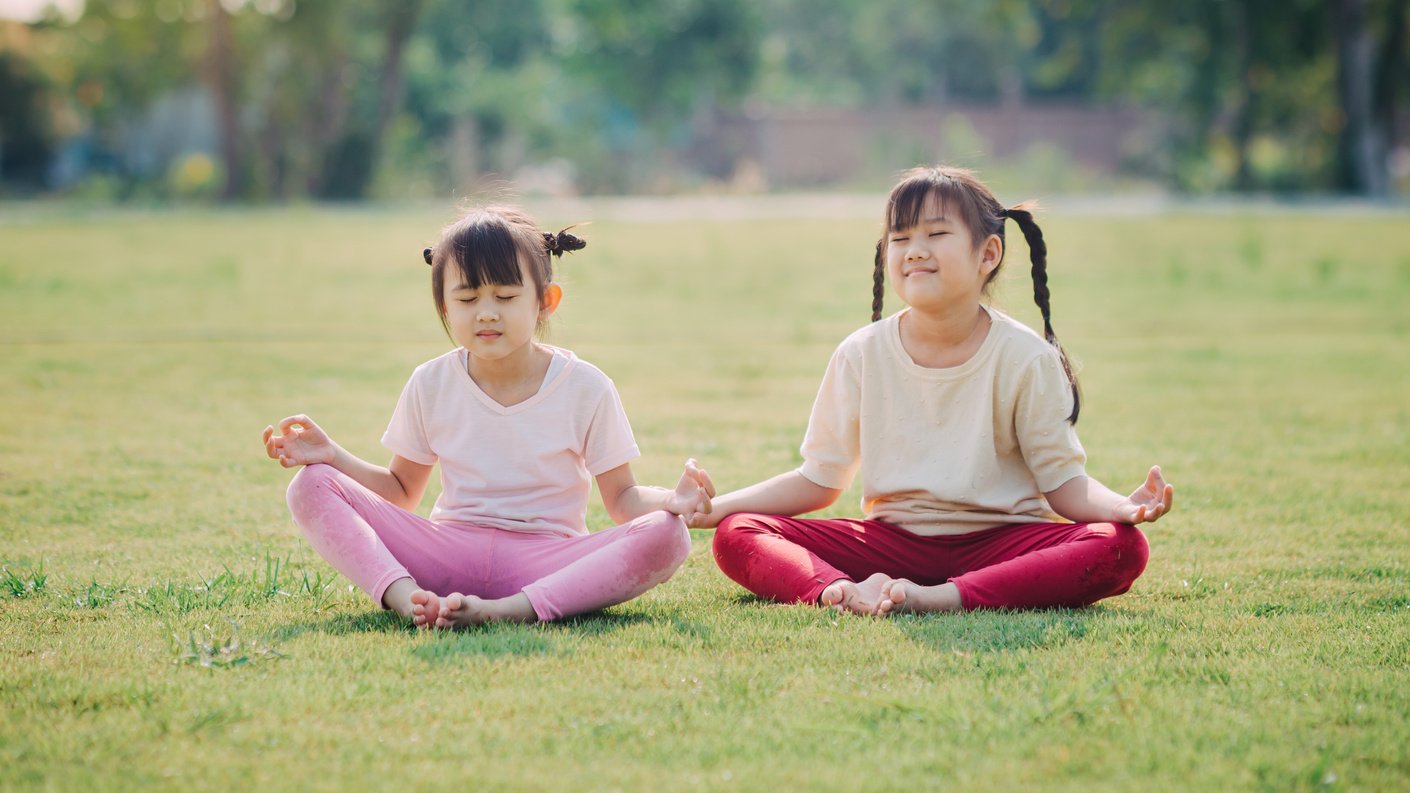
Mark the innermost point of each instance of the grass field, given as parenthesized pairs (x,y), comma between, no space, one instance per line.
(163,626)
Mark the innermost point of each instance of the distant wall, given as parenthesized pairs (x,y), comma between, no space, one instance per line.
(820,147)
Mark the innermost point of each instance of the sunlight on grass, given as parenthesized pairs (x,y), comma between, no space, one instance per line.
(150,576)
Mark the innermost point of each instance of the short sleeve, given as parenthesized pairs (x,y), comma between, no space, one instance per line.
(832,445)
(1046,438)
(610,442)
(406,433)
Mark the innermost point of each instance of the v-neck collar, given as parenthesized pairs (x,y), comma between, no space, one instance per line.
(551,381)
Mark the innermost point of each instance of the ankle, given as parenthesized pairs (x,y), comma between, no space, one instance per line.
(397,596)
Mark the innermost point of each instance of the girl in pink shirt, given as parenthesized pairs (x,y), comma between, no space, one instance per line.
(518,428)
(960,420)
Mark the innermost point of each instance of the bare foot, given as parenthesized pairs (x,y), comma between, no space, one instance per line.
(858,598)
(902,596)
(425,608)
(465,611)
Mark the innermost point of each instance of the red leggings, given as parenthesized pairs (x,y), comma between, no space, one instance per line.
(1021,566)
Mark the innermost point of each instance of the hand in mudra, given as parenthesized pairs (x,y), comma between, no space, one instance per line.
(299,442)
(693,492)
(1149,502)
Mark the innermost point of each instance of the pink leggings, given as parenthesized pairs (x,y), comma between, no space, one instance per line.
(1032,565)
(374,542)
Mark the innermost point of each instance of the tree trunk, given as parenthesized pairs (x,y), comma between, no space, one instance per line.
(222,77)
(1242,123)
(1363,152)
(349,165)
(399,28)
(1391,70)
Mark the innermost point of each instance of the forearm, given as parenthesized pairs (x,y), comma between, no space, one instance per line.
(1085,500)
(378,479)
(788,493)
(636,500)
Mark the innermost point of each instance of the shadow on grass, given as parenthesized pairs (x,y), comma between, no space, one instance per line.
(485,641)
(997,631)
(503,639)
(339,624)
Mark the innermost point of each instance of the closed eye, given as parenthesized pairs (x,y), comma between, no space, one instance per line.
(899,239)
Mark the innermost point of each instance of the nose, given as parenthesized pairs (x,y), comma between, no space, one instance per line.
(915,251)
(487,314)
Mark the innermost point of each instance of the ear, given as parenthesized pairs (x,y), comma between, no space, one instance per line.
(991,254)
(552,296)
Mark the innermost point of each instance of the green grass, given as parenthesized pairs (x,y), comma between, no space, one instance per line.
(163,626)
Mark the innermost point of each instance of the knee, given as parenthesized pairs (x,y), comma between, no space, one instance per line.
(1128,552)
(727,533)
(307,483)
(669,537)
(734,535)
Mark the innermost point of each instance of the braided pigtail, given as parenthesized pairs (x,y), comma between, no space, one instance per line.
(878,280)
(1038,254)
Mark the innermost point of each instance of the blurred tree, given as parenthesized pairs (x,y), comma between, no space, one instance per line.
(26,136)
(481,88)
(222,78)
(1370,75)
(352,159)
(328,97)
(650,73)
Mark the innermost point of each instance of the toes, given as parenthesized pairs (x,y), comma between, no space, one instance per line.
(831,596)
(452,602)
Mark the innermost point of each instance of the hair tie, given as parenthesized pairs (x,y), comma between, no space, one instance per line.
(426,254)
(562,242)
(1004,214)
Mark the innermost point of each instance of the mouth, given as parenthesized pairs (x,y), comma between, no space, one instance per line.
(920,271)
(488,335)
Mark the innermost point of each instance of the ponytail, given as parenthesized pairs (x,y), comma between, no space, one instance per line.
(1038,254)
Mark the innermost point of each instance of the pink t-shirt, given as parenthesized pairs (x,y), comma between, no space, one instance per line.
(526,467)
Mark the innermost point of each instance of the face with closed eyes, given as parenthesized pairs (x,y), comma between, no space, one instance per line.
(495,321)
(935,265)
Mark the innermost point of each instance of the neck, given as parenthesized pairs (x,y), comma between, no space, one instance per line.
(939,341)
(529,362)
(951,329)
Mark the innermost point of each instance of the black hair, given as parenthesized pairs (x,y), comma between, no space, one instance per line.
(487,245)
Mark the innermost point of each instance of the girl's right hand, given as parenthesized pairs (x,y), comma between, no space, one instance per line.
(299,442)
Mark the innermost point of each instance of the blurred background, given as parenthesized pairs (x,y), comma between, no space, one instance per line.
(289,100)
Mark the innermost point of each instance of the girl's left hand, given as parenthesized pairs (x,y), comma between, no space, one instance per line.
(693,492)
(1149,502)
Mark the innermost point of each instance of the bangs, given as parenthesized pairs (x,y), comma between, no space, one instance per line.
(485,253)
(908,199)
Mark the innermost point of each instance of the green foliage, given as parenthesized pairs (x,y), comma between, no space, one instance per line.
(224,651)
(353,98)
(18,585)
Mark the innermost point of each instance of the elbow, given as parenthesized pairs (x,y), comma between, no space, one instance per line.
(827,496)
